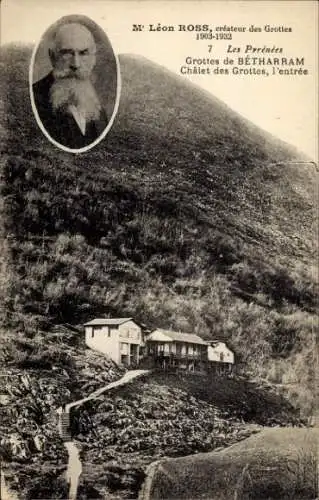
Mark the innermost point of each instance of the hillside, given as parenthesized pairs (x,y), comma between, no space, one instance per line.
(186,217)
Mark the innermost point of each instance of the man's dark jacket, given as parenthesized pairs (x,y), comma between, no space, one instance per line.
(62,127)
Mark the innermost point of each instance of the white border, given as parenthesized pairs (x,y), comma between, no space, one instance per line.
(117,97)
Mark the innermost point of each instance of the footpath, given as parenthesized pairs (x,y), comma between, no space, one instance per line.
(74,467)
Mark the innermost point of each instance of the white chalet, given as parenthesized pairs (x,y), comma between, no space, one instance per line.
(120,338)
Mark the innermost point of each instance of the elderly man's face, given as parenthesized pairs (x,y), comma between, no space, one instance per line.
(74,53)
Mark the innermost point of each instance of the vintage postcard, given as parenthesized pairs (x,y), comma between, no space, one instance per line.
(159,276)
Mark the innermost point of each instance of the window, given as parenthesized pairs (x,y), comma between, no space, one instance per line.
(221,356)
(89,331)
(124,332)
(124,348)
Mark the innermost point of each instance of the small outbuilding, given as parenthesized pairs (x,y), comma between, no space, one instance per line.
(221,359)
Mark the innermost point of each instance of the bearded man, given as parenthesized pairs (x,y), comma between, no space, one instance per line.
(66,100)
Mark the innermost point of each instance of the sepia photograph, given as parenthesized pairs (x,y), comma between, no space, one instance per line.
(159,250)
(76,100)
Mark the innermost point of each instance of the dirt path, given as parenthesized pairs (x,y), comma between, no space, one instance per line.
(74,468)
(130,375)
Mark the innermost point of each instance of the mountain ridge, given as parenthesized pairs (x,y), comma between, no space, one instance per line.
(145,62)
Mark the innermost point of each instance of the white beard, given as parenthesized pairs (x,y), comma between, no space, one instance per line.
(78,92)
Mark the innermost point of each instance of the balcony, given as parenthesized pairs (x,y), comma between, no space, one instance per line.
(177,355)
(130,338)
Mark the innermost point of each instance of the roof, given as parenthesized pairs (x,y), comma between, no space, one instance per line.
(190,338)
(107,321)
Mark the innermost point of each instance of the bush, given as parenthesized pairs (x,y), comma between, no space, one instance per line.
(48,486)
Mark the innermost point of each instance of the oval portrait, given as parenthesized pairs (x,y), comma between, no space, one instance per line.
(75,83)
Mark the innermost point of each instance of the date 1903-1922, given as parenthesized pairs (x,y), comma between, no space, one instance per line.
(215,36)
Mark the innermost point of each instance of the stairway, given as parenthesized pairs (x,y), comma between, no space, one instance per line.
(65,426)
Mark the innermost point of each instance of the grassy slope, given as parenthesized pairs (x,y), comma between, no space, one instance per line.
(185,216)
(276,463)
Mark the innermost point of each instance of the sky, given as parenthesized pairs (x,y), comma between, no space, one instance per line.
(286,106)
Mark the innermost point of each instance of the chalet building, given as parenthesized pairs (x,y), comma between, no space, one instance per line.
(120,338)
(169,350)
(221,358)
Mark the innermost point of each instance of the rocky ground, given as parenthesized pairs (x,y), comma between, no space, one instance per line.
(121,432)
(125,430)
(38,376)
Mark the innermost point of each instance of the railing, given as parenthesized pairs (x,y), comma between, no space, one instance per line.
(179,355)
